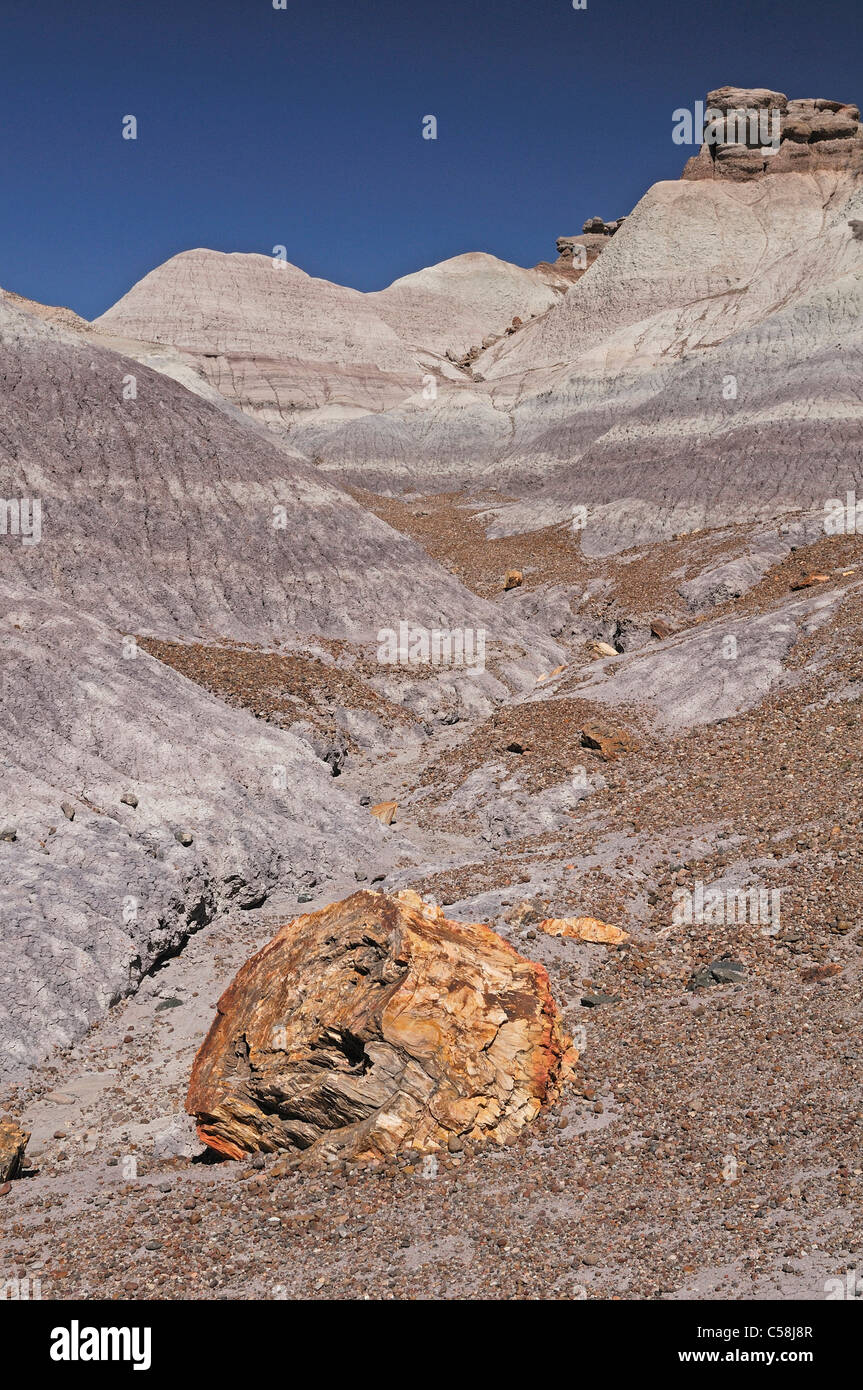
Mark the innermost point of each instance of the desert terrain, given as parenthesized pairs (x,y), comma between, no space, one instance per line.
(607,864)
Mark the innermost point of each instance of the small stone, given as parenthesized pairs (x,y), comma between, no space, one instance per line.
(130,799)
(601,649)
(609,742)
(816,974)
(183,837)
(809,579)
(68,810)
(8,833)
(727,972)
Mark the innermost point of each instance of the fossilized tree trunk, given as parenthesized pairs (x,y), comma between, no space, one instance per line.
(376,1025)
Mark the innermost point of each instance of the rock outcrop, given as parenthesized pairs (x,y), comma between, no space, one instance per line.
(752,132)
(377,1026)
(576,254)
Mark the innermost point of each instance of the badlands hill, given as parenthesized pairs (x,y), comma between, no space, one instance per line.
(716,340)
(276,341)
(171,514)
(164,515)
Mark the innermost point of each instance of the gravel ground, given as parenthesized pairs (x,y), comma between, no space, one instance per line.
(711,1145)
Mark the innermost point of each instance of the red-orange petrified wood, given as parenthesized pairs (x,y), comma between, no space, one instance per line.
(374,1026)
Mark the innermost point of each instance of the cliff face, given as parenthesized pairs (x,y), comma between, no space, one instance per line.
(750,133)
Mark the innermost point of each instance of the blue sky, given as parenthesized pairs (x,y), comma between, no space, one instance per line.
(303,126)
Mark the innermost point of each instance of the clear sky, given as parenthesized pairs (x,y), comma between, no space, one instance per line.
(303,126)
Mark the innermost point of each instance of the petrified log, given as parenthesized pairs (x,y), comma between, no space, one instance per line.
(584,929)
(376,1025)
(13,1142)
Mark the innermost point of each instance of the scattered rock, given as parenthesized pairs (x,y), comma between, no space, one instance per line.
(130,799)
(815,974)
(375,1026)
(808,580)
(68,810)
(513,580)
(609,742)
(385,811)
(584,929)
(524,913)
(661,629)
(183,837)
(718,972)
(8,833)
(550,675)
(601,649)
